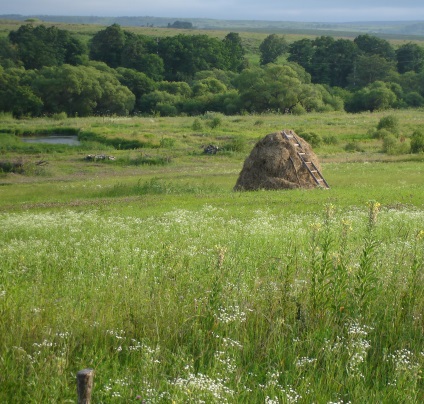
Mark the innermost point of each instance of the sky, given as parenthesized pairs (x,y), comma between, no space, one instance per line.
(269,10)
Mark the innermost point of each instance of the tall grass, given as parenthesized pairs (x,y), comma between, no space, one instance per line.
(176,289)
(206,305)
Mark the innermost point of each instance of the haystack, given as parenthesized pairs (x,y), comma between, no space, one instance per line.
(281,160)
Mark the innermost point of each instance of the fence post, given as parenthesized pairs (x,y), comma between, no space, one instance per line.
(85,385)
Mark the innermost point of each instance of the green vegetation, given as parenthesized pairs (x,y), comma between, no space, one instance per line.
(186,292)
(417,142)
(272,47)
(131,254)
(48,71)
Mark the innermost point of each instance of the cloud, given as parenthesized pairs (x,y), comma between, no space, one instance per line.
(276,10)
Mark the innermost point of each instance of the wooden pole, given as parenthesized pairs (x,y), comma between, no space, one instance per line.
(85,385)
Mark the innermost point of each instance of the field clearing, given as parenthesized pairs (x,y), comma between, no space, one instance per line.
(177,149)
(174,288)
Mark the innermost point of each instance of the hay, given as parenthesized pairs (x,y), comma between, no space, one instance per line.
(274,163)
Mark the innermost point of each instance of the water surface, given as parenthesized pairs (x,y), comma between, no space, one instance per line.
(70,140)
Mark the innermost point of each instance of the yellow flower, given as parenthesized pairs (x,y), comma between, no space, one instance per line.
(347,224)
(329,212)
(316,226)
(374,208)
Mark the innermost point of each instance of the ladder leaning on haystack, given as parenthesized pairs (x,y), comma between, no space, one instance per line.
(310,166)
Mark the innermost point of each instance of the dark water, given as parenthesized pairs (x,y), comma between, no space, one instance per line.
(71,140)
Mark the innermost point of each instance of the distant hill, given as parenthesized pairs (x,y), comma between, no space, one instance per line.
(407,29)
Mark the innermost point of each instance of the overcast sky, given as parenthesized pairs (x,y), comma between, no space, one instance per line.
(273,10)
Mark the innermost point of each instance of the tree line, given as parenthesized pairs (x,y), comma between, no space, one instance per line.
(46,70)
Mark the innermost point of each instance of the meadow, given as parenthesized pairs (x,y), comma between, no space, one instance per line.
(151,270)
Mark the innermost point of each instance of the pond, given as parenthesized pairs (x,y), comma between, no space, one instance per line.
(70,140)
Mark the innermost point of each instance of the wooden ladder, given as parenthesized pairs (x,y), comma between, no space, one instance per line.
(310,166)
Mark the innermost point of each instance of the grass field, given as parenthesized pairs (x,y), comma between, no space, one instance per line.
(173,288)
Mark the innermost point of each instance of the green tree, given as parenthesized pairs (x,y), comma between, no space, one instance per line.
(107,45)
(279,88)
(8,54)
(271,48)
(342,55)
(316,97)
(302,52)
(181,25)
(234,52)
(137,82)
(153,67)
(82,91)
(185,55)
(76,52)
(180,88)
(136,54)
(410,57)
(68,89)
(46,46)
(16,96)
(372,45)
(115,98)
(370,68)
(414,99)
(160,102)
(321,62)
(411,82)
(224,76)
(208,86)
(328,61)
(374,97)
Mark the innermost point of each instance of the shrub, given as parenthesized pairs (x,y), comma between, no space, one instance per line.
(353,147)
(237,144)
(403,148)
(142,160)
(60,116)
(381,133)
(167,143)
(312,138)
(330,139)
(8,166)
(215,122)
(417,142)
(390,144)
(213,119)
(298,109)
(390,123)
(19,166)
(165,109)
(197,125)
(414,99)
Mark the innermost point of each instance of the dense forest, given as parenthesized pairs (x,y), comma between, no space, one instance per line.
(46,71)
